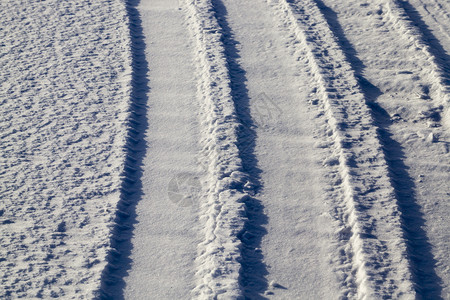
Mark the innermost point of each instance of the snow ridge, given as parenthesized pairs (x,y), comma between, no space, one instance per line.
(371,225)
(253,269)
(222,209)
(438,69)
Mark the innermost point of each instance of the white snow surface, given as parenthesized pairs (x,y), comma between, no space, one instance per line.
(225,149)
(65,90)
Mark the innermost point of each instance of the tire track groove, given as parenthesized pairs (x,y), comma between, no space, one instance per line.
(369,213)
(226,185)
(112,281)
(422,262)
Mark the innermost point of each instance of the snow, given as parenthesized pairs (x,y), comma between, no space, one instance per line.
(64,84)
(419,166)
(166,231)
(225,149)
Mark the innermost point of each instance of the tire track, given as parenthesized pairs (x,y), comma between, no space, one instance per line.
(422,261)
(408,22)
(119,262)
(371,235)
(227,186)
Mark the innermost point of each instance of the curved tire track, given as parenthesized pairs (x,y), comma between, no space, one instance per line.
(368,209)
(422,261)
(119,262)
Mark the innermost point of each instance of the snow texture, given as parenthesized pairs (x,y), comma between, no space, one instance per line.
(223,210)
(65,90)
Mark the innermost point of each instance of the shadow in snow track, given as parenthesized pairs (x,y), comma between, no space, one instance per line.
(427,283)
(253,271)
(436,49)
(119,262)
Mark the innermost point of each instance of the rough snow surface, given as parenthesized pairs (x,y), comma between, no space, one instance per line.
(64,99)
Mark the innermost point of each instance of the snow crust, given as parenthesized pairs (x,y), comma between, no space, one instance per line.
(65,87)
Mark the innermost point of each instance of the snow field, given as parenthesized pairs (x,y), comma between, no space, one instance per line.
(224,149)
